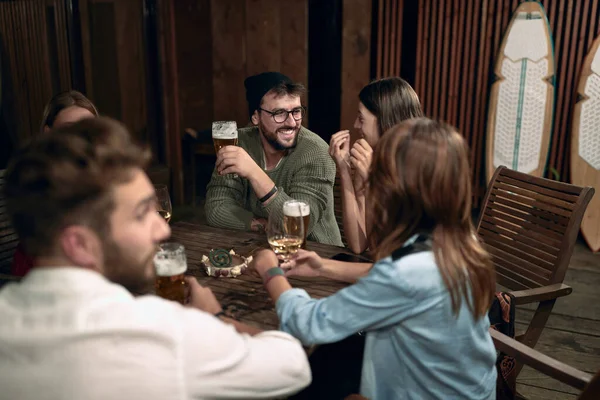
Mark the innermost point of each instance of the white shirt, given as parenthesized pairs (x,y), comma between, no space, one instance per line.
(68,333)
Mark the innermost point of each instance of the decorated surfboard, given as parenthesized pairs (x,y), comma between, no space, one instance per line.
(585,142)
(521,102)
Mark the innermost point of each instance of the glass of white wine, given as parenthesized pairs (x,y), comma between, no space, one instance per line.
(285,238)
(163,202)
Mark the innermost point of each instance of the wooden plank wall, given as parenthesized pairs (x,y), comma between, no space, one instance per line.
(233,39)
(456,46)
(356,56)
(35,62)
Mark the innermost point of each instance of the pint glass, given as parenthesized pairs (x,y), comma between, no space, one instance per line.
(224,133)
(170,263)
(293,211)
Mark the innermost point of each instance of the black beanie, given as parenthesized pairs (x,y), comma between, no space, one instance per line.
(258,85)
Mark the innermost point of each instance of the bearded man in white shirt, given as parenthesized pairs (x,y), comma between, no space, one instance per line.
(84,208)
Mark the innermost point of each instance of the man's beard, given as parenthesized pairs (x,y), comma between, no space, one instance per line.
(123,270)
(272,138)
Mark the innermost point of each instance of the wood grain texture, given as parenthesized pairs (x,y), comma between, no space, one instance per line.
(582,173)
(356,56)
(229,61)
(244,297)
(480,27)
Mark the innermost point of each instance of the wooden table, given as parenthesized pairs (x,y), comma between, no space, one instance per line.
(244,297)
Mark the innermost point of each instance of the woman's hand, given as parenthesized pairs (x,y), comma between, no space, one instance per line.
(339,148)
(263,261)
(304,263)
(361,156)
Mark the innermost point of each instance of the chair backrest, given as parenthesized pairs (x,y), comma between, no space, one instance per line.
(337,206)
(590,385)
(529,225)
(8,237)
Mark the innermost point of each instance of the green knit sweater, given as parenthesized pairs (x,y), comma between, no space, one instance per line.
(306,173)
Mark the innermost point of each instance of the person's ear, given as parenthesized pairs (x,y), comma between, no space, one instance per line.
(255,118)
(82,247)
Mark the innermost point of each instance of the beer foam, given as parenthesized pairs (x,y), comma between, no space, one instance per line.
(224,130)
(169,267)
(296,209)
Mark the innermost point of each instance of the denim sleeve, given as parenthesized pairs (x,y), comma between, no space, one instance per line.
(378,300)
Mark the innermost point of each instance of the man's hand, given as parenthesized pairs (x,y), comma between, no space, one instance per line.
(339,147)
(201,297)
(263,261)
(361,155)
(235,160)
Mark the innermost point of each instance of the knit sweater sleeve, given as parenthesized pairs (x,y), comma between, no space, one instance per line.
(312,183)
(224,205)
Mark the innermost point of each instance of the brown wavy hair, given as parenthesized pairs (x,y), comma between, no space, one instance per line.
(65,100)
(420,182)
(66,178)
(392,100)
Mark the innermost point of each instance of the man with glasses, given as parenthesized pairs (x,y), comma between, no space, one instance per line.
(277,160)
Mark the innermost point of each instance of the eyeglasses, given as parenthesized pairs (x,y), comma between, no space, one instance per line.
(281,116)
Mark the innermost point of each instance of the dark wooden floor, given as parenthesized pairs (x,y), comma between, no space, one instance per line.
(572,334)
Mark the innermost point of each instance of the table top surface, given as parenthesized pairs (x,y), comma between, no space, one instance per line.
(244,297)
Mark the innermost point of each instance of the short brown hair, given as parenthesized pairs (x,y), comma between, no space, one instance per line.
(420,182)
(65,100)
(67,177)
(392,100)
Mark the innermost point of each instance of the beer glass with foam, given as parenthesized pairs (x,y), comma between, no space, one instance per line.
(170,263)
(285,240)
(224,133)
(293,212)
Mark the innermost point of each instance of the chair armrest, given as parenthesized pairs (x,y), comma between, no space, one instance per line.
(542,293)
(540,362)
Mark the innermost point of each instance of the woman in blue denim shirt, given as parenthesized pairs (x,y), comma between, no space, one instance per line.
(424,303)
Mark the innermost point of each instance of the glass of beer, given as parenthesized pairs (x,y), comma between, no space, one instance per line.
(285,240)
(170,263)
(293,211)
(164,207)
(224,133)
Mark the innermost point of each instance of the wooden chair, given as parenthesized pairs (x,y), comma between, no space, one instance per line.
(337,206)
(529,225)
(590,385)
(8,237)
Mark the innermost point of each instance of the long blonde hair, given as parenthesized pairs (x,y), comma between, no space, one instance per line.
(420,183)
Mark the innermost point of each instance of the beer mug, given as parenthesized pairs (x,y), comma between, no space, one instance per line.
(293,211)
(170,263)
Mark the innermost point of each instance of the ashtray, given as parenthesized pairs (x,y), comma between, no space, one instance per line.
(227,264)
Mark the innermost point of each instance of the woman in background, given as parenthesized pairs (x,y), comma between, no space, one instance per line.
(63,109)
(383,104)
(424,303)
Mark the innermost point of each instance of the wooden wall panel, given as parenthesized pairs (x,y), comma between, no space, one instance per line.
(356,56)
(35,57)
(263,38)
(456,46)
(228,22)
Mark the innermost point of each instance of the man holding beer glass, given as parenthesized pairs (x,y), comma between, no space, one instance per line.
(277,159)
(87,213)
